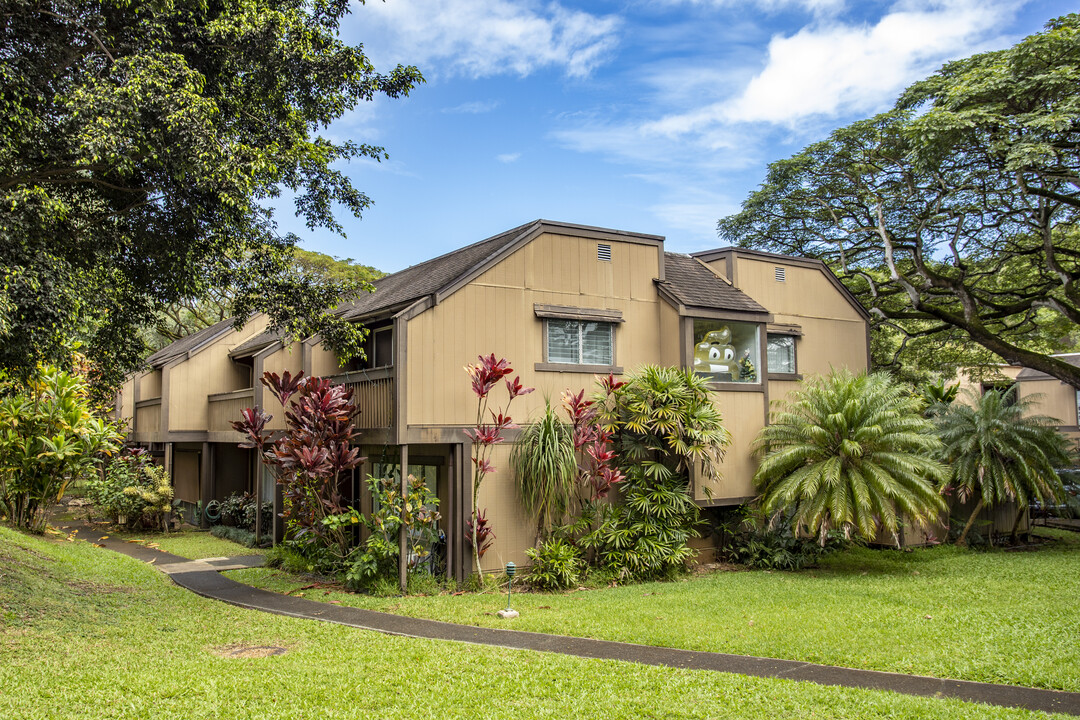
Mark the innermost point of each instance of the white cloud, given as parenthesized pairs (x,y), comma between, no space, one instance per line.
(817,7)
(508,157)
(832,68)
(477,107)
(483,39)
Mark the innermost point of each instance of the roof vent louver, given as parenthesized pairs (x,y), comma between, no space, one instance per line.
(603,252)
(781,274)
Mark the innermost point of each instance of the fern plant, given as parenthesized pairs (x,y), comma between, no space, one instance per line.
(851,453)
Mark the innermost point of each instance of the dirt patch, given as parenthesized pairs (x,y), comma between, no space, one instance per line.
(249,651)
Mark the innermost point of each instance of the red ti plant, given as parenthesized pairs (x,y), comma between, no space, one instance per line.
(481,532)
(596,473)
(485,375)
(310,457)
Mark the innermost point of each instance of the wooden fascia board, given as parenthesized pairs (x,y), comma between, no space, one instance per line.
(670,297)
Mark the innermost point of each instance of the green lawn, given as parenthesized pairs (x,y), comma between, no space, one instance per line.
(86,633)
(192,544)
(1002,617)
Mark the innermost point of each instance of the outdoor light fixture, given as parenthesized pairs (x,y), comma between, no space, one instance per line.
(511,568)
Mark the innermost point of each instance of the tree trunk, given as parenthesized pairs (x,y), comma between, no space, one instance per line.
(1016,525)
(962,540)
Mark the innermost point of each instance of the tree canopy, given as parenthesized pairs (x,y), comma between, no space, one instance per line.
(189,315)
(142,149)
(953,216)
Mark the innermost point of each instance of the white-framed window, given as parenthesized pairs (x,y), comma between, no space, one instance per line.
(727,351)
(580,342)
(781,353)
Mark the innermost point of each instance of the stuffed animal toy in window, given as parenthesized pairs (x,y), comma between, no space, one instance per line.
(716,354)
(747,371)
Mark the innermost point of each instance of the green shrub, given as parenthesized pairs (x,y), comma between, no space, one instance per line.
(50,436)
(133,490)
(237,535)
(749,539)
(557,565)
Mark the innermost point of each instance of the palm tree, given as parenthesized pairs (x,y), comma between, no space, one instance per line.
(545,465)
(850,452)
(1000,452)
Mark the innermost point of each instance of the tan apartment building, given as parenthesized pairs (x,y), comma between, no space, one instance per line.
(563,303)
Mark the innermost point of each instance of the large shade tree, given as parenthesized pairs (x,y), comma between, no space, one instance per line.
(952,216)
(142,148)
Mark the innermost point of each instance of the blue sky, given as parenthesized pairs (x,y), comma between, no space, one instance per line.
(656,116)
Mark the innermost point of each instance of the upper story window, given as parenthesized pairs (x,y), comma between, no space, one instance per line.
(781,354)
(378,349)
(580,342)
(726,351)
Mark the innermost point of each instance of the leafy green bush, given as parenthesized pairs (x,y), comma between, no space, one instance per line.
(662,422)
(378,556)
(239,510)
(50,436)
(133,490)
(557,565)
(749,539)
(237,535)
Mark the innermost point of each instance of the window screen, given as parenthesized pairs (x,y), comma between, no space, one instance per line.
(580,342)
(781,349)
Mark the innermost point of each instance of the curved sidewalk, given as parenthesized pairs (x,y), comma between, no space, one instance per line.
(203,577)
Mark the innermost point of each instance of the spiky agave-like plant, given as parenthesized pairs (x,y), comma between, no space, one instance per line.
(545,466)
(853,453)
(1000,451)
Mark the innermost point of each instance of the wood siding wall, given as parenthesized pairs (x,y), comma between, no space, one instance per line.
(287,358)
(495,314)
(209,371)
(225,408)
(1053,398)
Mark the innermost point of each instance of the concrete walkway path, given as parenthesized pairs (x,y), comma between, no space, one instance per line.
(203,577)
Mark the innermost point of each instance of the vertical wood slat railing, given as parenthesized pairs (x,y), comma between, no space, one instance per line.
(148,415)
(224,408)
(373,395)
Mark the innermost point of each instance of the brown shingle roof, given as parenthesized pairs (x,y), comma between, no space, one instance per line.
(191,342)
(255,344)
(693,284)
(428,277)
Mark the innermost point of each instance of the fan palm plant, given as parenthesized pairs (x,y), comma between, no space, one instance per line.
(851,453)
(1001,452)
(545,466)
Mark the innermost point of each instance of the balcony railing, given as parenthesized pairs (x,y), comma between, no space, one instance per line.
(148,415)
(373,395)
(224,408)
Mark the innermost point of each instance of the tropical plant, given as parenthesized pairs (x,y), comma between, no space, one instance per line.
(310,457)
(50,436)
(851,453)
(662,423)
(484,436)
(937,396)
(133,490)
(545,466)
(1000,452)
(556,565)
(749,538)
